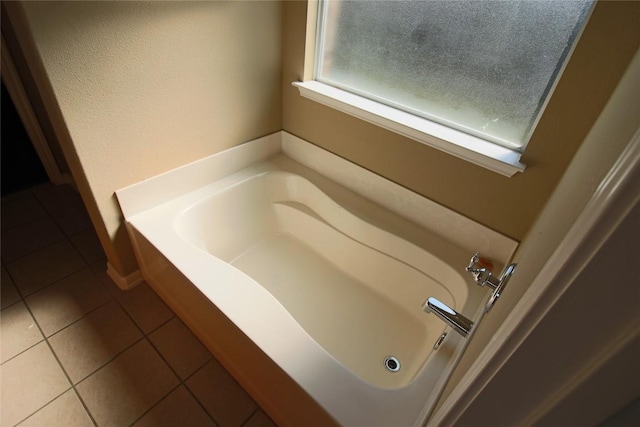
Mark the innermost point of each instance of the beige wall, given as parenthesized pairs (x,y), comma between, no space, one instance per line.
(508,205)
(144,87)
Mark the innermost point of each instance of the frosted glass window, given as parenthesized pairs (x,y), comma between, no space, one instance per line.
(483,67)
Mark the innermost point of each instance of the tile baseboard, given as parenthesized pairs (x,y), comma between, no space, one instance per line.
(127,282)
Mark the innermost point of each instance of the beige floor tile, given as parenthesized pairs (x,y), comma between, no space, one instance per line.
(180,348)
(177,409)
(29,381)
(43,267)
(15,195)
(67,300)
(90,343)
(222,397)
(18,331)
(259,419)
(142,303)
(72,219)
(9,293)
(88,245)
(127,387)
(65,411)
(27,238)
(20,210)
(55,197)
(100,270)
(145,307)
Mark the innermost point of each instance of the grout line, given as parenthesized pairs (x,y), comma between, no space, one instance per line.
(115,356)
(34,251)
(86,377)
(48,245)
(55,281)
(166,362)
(162,324)
(29,223)
(73,386)
(144,334)
(10,305)
(48,215)
(191,375)
(15,285)
(85,315)
(80,319)
(20,297)
(42,407)
(250,416)
(24,351)
(155,404)
(196,397)
(182,382)
(110,299)
(84,405)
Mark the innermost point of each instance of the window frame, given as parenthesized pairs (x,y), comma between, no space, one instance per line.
(494,157)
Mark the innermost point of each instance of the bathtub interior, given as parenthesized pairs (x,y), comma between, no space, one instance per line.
(351,285)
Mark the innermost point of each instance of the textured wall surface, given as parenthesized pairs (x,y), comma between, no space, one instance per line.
(144,87)
(508,205)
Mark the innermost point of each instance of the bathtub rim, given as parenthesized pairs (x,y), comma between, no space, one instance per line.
(165,186)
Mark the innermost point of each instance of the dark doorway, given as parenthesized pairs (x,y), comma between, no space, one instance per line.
(21,167)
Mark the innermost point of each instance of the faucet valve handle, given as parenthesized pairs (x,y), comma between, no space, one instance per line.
(482,276)
(480,268)
(473,263)
(477,263)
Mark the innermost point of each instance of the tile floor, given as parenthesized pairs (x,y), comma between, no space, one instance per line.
(77,351)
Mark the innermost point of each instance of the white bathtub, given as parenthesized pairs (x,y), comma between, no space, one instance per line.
(302,287)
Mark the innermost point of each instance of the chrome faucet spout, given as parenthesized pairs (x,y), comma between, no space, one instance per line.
(457,321)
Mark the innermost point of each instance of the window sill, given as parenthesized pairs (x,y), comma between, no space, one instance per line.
(472,149)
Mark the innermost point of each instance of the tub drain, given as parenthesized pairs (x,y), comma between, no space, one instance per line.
(392,364)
